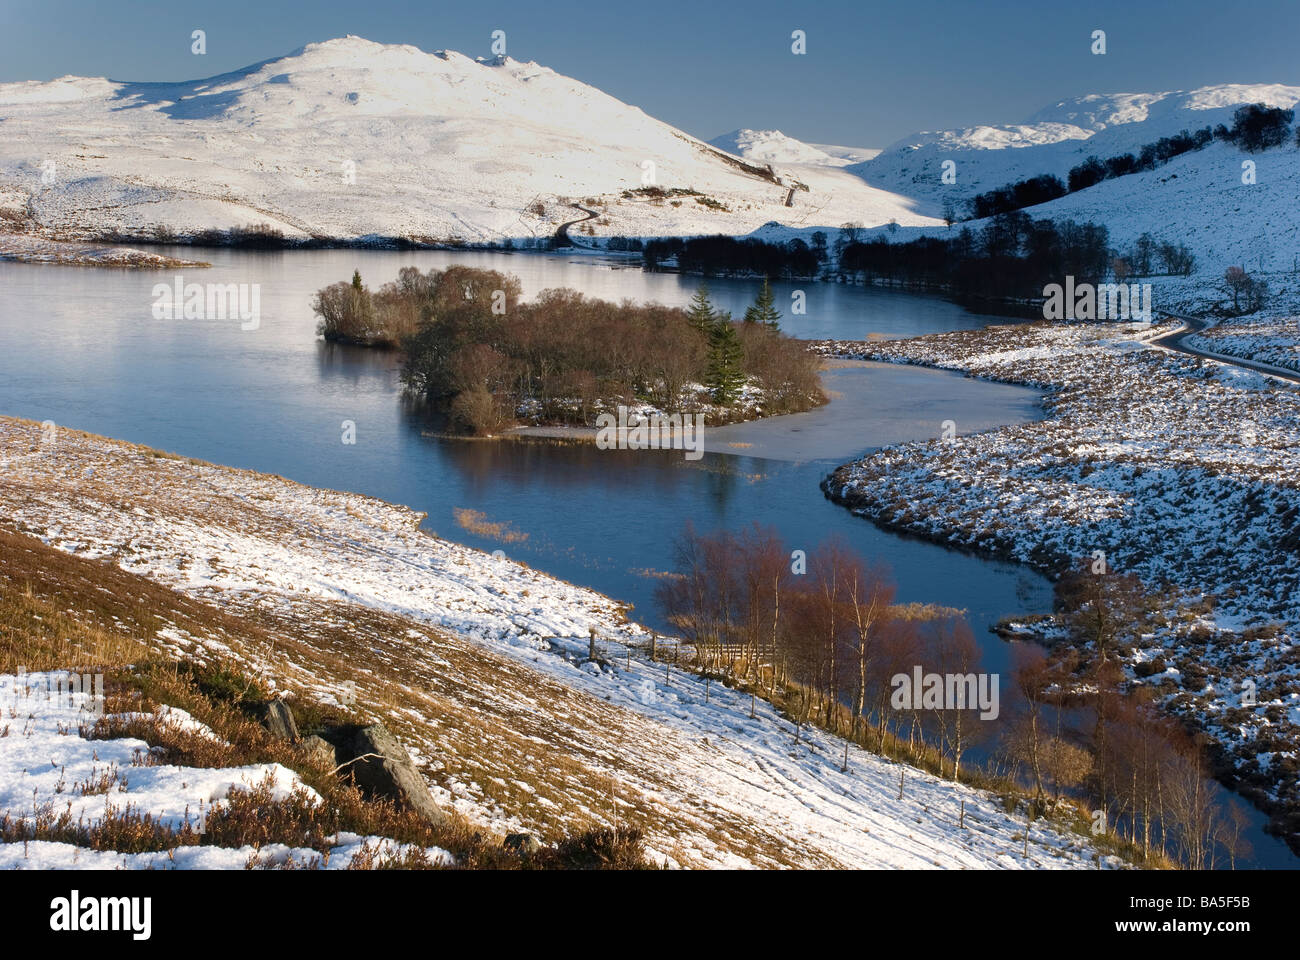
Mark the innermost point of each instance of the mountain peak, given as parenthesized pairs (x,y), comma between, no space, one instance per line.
(770,146)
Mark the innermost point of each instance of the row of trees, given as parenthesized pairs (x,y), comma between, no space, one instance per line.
(1255,127)
(1149,256)
(1094,170)
(729,256)
(1016,196)
(1150,775)
(471,346)
(1011,256)
(821,635)
(1077,727)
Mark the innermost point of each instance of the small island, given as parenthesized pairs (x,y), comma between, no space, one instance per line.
(473,349)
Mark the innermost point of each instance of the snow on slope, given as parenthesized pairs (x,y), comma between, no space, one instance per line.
(1054,139)
(439,145)
(1199,199)
(263,542)
(1196,199)
(823,169)
(45,761)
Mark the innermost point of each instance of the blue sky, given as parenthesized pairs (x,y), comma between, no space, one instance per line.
(874,71)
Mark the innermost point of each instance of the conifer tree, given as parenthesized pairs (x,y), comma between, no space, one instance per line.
(764,309)
(725,374)
(701,311)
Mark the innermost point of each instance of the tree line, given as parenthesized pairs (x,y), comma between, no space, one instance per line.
(471,347)
(1011,257)
(732,257)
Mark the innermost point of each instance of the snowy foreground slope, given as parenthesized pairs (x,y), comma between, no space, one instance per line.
(47,768)
(478,664)
(350,139)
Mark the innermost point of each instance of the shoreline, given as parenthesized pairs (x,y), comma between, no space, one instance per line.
(35,249)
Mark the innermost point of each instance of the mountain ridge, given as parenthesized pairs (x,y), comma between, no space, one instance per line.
(349,139)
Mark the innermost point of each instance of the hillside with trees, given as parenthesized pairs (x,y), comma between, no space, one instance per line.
(824,639)
(1256,127)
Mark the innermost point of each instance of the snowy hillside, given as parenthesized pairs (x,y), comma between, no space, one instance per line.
(1199,199)
(1054,139)
(479,664)
(350,138)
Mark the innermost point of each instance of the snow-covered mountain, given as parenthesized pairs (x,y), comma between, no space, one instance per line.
(773,146)
(847,154)
(350,138)
(1054,139)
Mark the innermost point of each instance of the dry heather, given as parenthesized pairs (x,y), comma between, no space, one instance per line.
(62,612)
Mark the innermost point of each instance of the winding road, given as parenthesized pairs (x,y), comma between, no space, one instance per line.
(1194,325)
(562,238)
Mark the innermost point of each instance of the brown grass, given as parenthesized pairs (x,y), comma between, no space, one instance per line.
(58,610)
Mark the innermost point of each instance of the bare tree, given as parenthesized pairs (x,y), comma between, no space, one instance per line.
(953,652)
(1238,282)
(1030,675)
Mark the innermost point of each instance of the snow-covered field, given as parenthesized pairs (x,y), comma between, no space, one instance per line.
(480,664)
(1182,471)
(352,139)
(1273,340)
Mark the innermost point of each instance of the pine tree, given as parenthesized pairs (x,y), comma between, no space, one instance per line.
(764,309)
(360,318)
(725,376)
(701,312)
